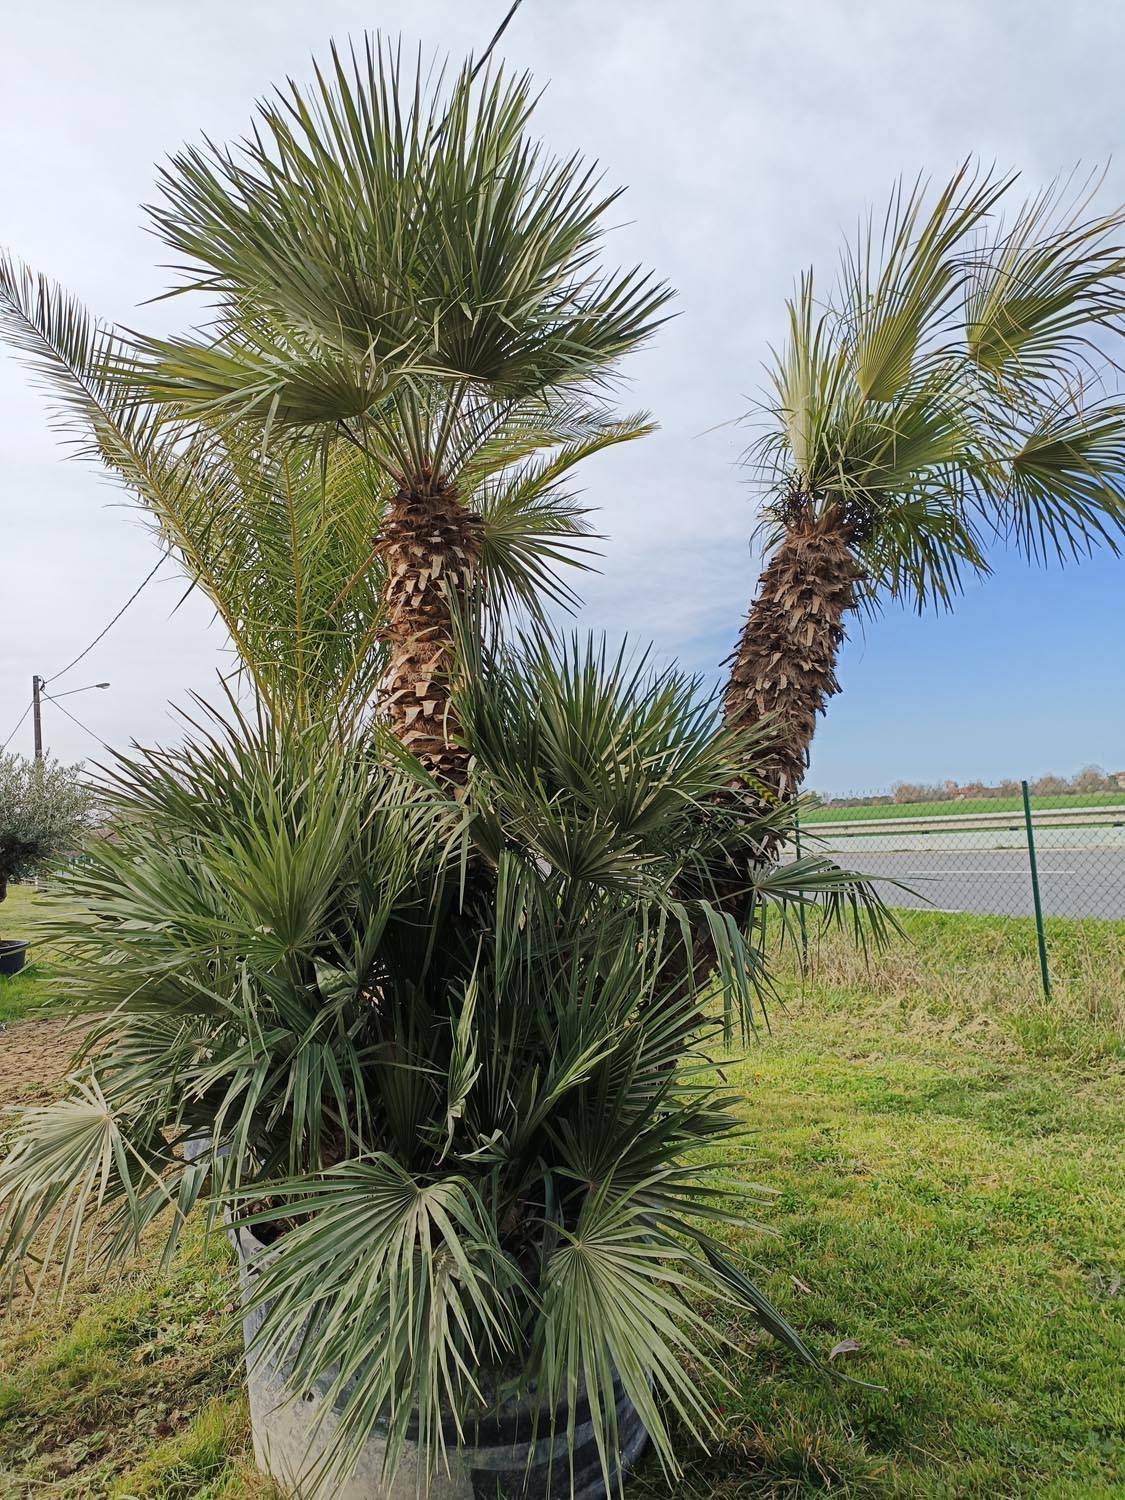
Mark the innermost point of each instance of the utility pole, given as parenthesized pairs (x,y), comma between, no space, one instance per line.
(36,684)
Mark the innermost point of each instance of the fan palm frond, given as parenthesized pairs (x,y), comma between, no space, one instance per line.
(402,230)
(954,388)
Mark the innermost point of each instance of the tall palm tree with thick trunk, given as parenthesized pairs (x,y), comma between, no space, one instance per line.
(951,391)
(400,267)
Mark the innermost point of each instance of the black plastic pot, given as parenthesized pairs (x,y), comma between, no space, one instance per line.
(12,956)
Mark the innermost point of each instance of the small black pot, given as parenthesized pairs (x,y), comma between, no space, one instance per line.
(12,956)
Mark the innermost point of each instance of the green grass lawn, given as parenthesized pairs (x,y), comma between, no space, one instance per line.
(959,1216)
(951,809)
(24,914)
(948,1169)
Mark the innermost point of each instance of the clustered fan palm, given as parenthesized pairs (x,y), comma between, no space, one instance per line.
(474,1107)
(451,1050)
(404,270)
(949,392)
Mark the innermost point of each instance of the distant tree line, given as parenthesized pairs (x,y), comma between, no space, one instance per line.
(1088,781)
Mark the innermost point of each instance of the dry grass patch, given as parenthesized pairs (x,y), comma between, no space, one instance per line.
(977,977)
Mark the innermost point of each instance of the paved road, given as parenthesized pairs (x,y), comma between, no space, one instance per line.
(1081,870)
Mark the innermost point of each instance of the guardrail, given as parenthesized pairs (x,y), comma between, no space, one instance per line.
(1013,818)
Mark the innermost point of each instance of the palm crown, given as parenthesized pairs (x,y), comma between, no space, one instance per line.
(401,268)
(389,252)
(397,268)
(949,392)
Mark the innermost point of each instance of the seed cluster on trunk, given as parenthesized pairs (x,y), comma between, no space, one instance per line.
(431,547)
(785,661)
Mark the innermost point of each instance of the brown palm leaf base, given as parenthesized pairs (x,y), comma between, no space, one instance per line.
(431,545)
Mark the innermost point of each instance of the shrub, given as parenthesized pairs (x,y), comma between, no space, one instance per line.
(45,811)
(451,1054)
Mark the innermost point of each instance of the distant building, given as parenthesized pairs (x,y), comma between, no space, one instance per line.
(1119,778)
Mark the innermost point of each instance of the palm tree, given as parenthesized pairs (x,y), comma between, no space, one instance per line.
(279,537)
(400,267)
(474,1114)
(950,392)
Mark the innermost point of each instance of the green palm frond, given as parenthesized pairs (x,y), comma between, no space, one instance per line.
(1065,490)
(810,385)
(947,389)
(379,229)
(1040,292)
(921,550)
(901,295)
(252,374)
(618,1302)
(397,1286)
(533,525)
(67,1161)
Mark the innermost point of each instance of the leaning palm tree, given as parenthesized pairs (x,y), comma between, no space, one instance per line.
(949,393)
(400,267)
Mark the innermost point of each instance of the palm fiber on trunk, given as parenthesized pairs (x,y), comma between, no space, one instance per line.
(431,546)
(785,661)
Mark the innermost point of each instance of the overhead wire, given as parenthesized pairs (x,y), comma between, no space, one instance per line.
(479,64)
(15,731)
(102,633)
(500,30)
(84,727)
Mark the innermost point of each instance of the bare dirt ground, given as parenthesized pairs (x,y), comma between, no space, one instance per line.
(34,1060)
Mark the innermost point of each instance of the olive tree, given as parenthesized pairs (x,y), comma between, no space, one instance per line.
(45,807)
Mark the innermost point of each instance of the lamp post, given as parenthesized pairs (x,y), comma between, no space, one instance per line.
(37,695)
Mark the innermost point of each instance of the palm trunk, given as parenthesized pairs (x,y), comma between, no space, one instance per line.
(785,661)
(431,546)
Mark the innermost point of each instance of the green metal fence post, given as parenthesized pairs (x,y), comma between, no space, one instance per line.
(801,904)
(1035,892)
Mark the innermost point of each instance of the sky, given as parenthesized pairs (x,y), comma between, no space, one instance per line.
(751,134)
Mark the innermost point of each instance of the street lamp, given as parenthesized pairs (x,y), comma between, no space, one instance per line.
(88,688)
(37,695)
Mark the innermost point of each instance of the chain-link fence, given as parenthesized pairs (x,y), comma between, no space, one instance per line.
(1026,855)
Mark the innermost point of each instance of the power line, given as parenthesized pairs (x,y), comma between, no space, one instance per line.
(15,731)
(143,584)
(84,727)
(500,30)
(477,66)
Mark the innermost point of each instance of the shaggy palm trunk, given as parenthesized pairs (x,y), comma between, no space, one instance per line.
(785,661)
(431,546)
